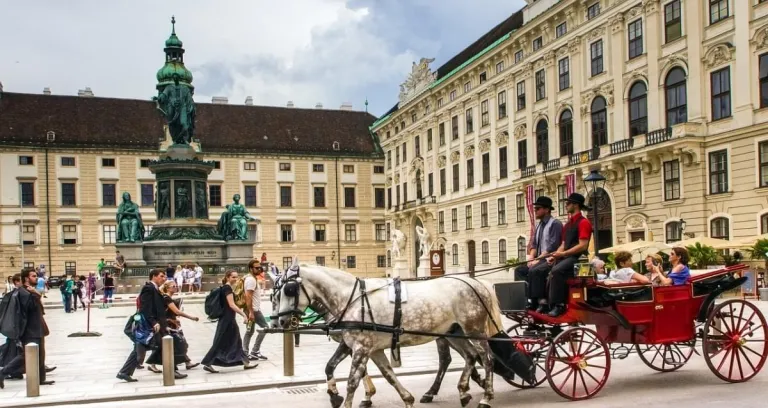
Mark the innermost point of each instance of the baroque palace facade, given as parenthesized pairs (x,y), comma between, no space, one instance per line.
(665,98)
(312,178)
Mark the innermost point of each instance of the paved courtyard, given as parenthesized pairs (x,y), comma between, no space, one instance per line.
(87,367)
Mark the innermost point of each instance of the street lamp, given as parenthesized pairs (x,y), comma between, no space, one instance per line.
(596,181)
(682,228)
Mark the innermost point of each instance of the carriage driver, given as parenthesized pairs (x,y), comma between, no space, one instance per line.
(576,235)
(545,240)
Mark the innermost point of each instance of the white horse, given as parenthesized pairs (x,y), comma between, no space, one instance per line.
(471,304)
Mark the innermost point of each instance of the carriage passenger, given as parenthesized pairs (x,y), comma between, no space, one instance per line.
(625,273)
(653,266)
(680,272)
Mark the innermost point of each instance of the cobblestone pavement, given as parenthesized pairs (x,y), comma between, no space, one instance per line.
(87,368)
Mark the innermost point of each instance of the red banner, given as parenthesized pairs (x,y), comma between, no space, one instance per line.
(570,184)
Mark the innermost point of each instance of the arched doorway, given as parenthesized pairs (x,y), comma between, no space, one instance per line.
(416,244)
(604,225)
(471,261)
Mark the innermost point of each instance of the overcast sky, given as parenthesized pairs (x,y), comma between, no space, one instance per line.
(307,51)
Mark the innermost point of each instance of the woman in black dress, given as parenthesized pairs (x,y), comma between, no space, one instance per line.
(180,345)
(227,348)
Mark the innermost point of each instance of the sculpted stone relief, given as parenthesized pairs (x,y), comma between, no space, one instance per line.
(718,55)
(520,131)
(485,145)
(502,138)
(455,156)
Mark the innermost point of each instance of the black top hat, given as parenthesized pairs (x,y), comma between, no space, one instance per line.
(579,199)
(544,201)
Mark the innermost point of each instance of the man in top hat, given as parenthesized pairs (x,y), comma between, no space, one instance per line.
(546,239)
(576,235)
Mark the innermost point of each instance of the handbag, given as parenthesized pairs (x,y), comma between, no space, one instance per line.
(142,332)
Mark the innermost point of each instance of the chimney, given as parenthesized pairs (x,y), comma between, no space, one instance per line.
(46,91)
(346,106)
(319,106)
(85,92)
(249,101)
(219,100)
(290,104)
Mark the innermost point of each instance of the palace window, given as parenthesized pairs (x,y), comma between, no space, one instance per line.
(634,187)
(718,10)
(27,193)
(521,248)
(720,228)
(518,56)
(674,232)
(319,196)
(350,232)
(541,90)
(381,232)
(599,122)
(673,25)
(763,80)
(349,197)
(455,127)
(718,172)
(442,182)
(638,109)
(440,222)
(485,119)
(484,214)
(378,195)
(468,224)
(470,173)
(763,159)
(501,216)
(285,196)
(502,251)
(502,108)
(429,140)
(521,95)
(566,133)
(441,133)
(503,162)
(522,154)
(676,98)
(319,232)
(561,30)
(455,178)
(70,162)
(348,169)
(28,236)
(596,64)
(108,198)
(285,167)
(69,234)
(319,167)
(486,168)
(469,124)
(635,38)
(671,180)
(249,166)
(721,94)
(520,207)
(593,11)
(455,254)
(485,256)
(542,141)
(68,195)
(537,43)
(147,195)
(564,74)
(108,162)
(214,195)
(109,234)
(250,196)
(286,233)
(454,220)
(562,198)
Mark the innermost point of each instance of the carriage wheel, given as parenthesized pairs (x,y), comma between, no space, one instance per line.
(537,352)
(666,357)
(734,341)
(578,364)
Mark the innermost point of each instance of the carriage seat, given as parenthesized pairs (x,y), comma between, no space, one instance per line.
(603,294)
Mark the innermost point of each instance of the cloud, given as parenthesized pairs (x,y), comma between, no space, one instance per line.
(307,51)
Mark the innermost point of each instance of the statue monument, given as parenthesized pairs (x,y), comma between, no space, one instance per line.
(424,247)
(183,230)
(399,263)
(233,224)
(130,227)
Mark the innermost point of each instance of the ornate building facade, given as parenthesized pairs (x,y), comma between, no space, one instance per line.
(312,178)
(666,98)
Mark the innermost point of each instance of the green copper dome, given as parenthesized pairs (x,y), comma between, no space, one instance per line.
(174,62)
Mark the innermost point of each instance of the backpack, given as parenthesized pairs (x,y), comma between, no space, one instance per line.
(238,292)
(214,304)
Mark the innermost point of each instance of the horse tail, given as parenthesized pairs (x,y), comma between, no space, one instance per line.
(494,323)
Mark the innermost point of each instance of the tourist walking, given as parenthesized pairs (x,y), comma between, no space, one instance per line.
(77,292)
(180,345)
(227,348)
(109,287)
(31,311)
(67,289)
(198,277)
(253,290)
(42,285)
(152,310)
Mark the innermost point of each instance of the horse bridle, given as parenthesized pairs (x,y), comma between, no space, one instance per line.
(291,286)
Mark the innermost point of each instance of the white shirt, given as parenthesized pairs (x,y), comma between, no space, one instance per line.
(252,284)
(624,275)
(198,272)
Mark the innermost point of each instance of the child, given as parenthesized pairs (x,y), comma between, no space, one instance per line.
(625,273)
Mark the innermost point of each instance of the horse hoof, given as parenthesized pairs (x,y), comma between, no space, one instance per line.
(336,400)
(366,404)
(465,400)
(426,399)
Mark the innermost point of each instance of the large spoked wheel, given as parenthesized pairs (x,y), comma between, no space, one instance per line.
(578,364)
(665,357)
(734,341)
(537,352)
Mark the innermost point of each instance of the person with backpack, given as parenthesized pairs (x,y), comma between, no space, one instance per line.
(77,292)
(66,293)
(248,297)
(227,347)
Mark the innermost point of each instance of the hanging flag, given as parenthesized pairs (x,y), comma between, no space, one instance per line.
(529,199)
(570,184)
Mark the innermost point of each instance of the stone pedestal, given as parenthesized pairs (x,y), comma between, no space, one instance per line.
(133,254)
(423,269)
(400,268)
(239,252)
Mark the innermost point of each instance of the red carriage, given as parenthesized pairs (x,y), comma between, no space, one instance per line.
(661,324)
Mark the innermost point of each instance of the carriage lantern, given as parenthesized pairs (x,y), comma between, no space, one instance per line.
(595,180)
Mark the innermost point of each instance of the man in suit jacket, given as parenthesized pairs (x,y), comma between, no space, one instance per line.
(32,327)
(152,308)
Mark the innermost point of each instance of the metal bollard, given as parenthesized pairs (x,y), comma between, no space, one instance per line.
(288,354)
(32,360)
(169,368)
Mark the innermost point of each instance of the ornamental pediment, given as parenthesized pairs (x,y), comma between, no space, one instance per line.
(420,78)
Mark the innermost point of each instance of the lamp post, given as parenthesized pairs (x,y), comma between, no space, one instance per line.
(682,228)
(596,181)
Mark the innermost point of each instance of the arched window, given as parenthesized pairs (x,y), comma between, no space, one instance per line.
(676,97)
(566,133)
(638,109)
(764,224)
(521,248)
(502,251)
(674,232)
(599,122)
(455,253)
(719,228)
(542,141)
(389,259)
(485,253)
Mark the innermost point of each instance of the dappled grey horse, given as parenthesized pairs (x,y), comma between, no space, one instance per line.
(444,346)
(472,306)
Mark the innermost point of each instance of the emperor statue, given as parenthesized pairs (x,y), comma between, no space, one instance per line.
(233,224)
(130,227)
(178,108)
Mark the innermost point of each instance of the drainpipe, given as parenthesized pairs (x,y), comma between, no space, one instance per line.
(338,219)
(48,213)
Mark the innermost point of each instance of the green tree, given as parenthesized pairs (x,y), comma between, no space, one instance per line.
(759,251)
(702,256)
